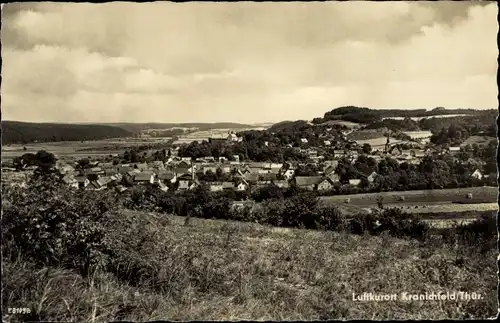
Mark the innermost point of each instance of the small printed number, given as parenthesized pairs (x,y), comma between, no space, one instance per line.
(19,310)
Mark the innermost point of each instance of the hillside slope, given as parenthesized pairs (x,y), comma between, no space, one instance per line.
(218,270)
(15,132)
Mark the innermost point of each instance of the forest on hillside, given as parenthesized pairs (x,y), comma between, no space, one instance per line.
(368,116)
(14,132)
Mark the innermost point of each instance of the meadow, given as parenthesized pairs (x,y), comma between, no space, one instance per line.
(435,116)
(484,194)
(168,269)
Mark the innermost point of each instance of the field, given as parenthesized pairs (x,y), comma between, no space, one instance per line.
(427,204)
(218,270)
(418,134)
(78,149)
(379,142)
(436,116)
(486,193)
(348,124)
(206,134)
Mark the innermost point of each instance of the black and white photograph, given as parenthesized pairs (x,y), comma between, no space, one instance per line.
(249,161)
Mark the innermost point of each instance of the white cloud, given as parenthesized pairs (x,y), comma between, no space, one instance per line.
(243,62)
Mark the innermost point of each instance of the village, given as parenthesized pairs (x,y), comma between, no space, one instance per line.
(223,174)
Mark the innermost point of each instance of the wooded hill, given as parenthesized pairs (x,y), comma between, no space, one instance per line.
(368,116)
(15,132)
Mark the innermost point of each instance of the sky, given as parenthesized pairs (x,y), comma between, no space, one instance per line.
(243,62)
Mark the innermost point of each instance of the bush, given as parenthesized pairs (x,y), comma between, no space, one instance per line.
(481,233)
(330,218)
(393,221)
(57,226)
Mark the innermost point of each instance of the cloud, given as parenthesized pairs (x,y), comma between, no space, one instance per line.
(244,62)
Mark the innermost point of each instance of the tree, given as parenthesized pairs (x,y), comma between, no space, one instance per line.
(367,148)
(83,163)
(268,192)
(134,157)
(45,161)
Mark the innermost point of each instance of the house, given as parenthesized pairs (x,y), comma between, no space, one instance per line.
(166,176)
(371,177)
(333,163)
(334,178)
(109,171)
(274,171)
(116,177)
(157,164)
(236,158)
(327,143)
(312,152)
(454,150)
(303,140)
(268,177)
(162,187)
(82,181)
(225,168)
(326,184)
(338,153)
(182,169)
(66,169)
(418,153)
(186,160)
(288,173)
(251,177)
(141,166)
(354,182)
(228,186)
(105,180)
(174,151)
(186,185)
(282,184)
(143,178)
(96,171)
(308,182)
(232,137)
(70,181)
(124,169)
(120,188)
(211,168)
(97,185)
(477,174)
(241,186)
(406,152)
(328,170)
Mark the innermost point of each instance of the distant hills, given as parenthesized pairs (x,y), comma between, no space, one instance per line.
(15,132)
(138,127)
(368,116)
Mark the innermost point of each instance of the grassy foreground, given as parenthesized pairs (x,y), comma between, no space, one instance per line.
(222,270)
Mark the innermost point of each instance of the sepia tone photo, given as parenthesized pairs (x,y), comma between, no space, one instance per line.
(249,161)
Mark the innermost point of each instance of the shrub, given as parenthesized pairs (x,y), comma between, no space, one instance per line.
(57,226)
(401,224)
(392,220)
(481,233)
(330,218)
